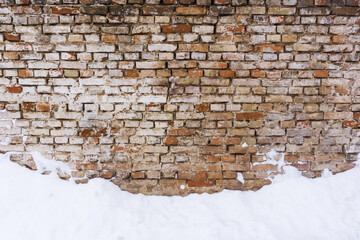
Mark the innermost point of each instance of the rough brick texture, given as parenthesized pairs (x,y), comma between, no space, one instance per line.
(177,97)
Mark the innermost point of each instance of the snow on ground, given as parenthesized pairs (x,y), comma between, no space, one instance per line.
(40,207)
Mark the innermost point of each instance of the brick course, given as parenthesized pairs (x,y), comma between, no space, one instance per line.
(176,97)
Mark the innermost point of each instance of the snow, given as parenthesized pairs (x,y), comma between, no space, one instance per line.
(43,207)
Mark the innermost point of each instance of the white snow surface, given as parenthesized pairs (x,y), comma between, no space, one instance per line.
(43,207)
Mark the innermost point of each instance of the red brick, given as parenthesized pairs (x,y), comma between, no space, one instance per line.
(249,115)
(357,115)
(179,28)
(65,10)
(351,123)
(12,37)
(14,89)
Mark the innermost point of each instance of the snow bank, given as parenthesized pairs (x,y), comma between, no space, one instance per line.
(40,207)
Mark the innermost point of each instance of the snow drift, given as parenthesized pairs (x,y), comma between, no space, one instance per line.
(35,206)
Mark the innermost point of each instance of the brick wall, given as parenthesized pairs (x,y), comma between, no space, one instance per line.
(181,96)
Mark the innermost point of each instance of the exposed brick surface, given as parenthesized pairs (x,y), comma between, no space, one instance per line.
(181,96)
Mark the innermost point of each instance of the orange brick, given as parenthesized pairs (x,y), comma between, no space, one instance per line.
(227,73)
(270,48)
(191,10)
(212,158)
(339,39)
(12,37)
(138,175)
(43,107)
(131,73)
(195,73)
(321,73)
(10,55)
(194,47)
(258,74)
(200,176)
(25,73)
(202,107)
(171,141)
(351,123)
(109,38)
(249,115)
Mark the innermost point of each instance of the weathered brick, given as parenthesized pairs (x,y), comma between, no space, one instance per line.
(191,10)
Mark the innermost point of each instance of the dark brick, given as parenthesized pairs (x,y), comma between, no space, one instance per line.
(95,10)
(222,10)
(305,3)
(158,10)
(349,11)
(123,11)
(339,3)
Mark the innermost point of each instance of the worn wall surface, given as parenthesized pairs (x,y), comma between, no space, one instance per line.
(180,96)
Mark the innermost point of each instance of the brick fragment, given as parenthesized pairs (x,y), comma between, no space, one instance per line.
(12,37)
